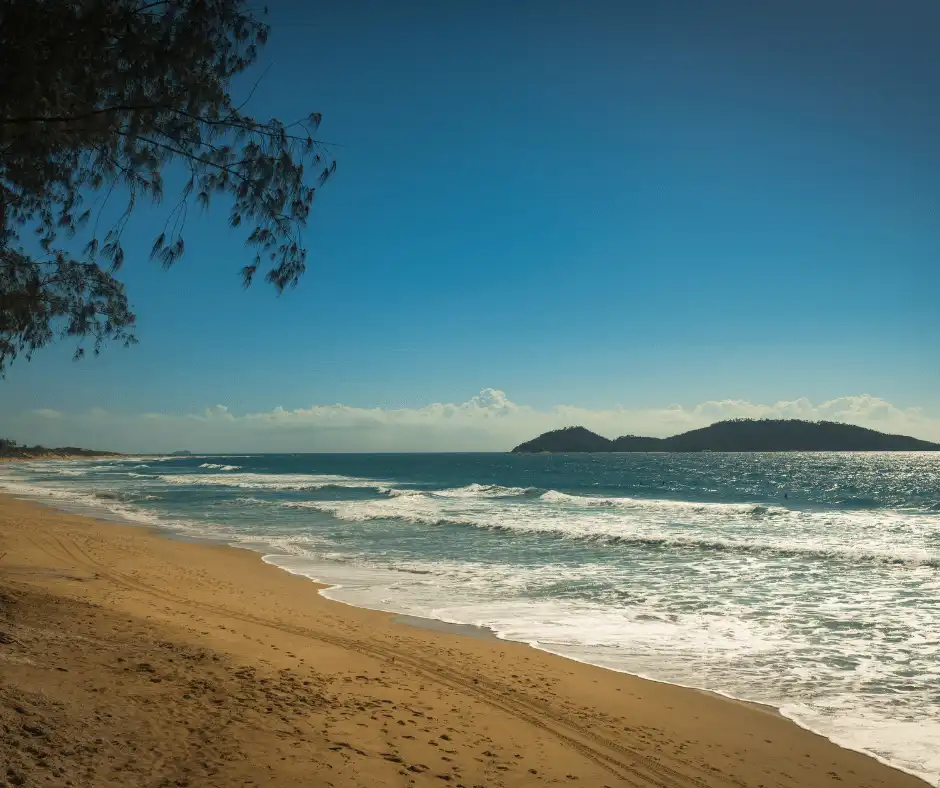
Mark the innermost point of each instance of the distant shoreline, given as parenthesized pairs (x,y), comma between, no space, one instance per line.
(64,457)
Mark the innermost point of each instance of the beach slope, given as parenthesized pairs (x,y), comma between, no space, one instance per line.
(129,659)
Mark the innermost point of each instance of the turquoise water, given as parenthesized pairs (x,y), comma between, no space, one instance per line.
(810,582)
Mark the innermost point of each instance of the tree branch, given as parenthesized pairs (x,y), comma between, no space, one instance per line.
(73,118)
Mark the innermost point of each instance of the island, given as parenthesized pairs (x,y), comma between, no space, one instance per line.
(742,435)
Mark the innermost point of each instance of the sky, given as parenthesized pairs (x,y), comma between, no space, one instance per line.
(636,216)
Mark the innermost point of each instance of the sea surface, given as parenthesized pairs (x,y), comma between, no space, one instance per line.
(810,582)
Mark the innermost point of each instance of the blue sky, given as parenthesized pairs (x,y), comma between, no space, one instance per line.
(591,205)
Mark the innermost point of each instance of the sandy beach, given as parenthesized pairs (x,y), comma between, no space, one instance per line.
(131,659)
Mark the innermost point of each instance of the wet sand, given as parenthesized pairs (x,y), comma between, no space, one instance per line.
(129,659)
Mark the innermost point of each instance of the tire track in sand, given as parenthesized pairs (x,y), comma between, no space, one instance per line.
(628,764)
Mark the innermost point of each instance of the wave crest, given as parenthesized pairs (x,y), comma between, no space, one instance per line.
(609,529)
(468,491)
(485,491)
(658,504)
(270,481)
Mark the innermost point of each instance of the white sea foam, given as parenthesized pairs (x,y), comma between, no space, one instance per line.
(588,501)
(99,503)
(469,491)
(68,467)
(609,524)
(395,492)
(218,467)
(483,491)
(156,458)
(270,481)
(673,507)
(730,654)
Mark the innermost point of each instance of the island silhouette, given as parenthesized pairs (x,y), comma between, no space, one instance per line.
(741,435)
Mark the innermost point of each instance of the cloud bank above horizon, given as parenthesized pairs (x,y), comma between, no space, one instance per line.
(489,421)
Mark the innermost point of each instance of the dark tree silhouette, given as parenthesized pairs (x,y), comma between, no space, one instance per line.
(10,448)
(101,96)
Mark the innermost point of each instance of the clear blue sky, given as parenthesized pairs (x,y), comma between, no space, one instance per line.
(583,203)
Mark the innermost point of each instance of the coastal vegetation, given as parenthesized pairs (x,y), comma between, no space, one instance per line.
(10,449)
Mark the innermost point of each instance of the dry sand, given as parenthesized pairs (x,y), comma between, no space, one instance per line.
(129,659)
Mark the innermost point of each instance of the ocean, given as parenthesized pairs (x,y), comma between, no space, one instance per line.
(806,581)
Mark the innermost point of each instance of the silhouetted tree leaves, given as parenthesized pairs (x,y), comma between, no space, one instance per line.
(99,94)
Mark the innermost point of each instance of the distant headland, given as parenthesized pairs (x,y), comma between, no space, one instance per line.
(745,435)
(11,450)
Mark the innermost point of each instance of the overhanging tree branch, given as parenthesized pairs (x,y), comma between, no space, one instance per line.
(94,93)
(76,118)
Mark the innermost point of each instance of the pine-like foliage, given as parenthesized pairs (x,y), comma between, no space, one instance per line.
(100,97)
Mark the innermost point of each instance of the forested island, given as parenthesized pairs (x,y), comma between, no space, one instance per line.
(734,435)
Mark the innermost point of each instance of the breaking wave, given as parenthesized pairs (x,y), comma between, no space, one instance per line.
(469,491)
(651,504)
(613,527)
(271,481)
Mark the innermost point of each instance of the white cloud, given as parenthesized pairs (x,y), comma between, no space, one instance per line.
(488,421)
(46,413)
